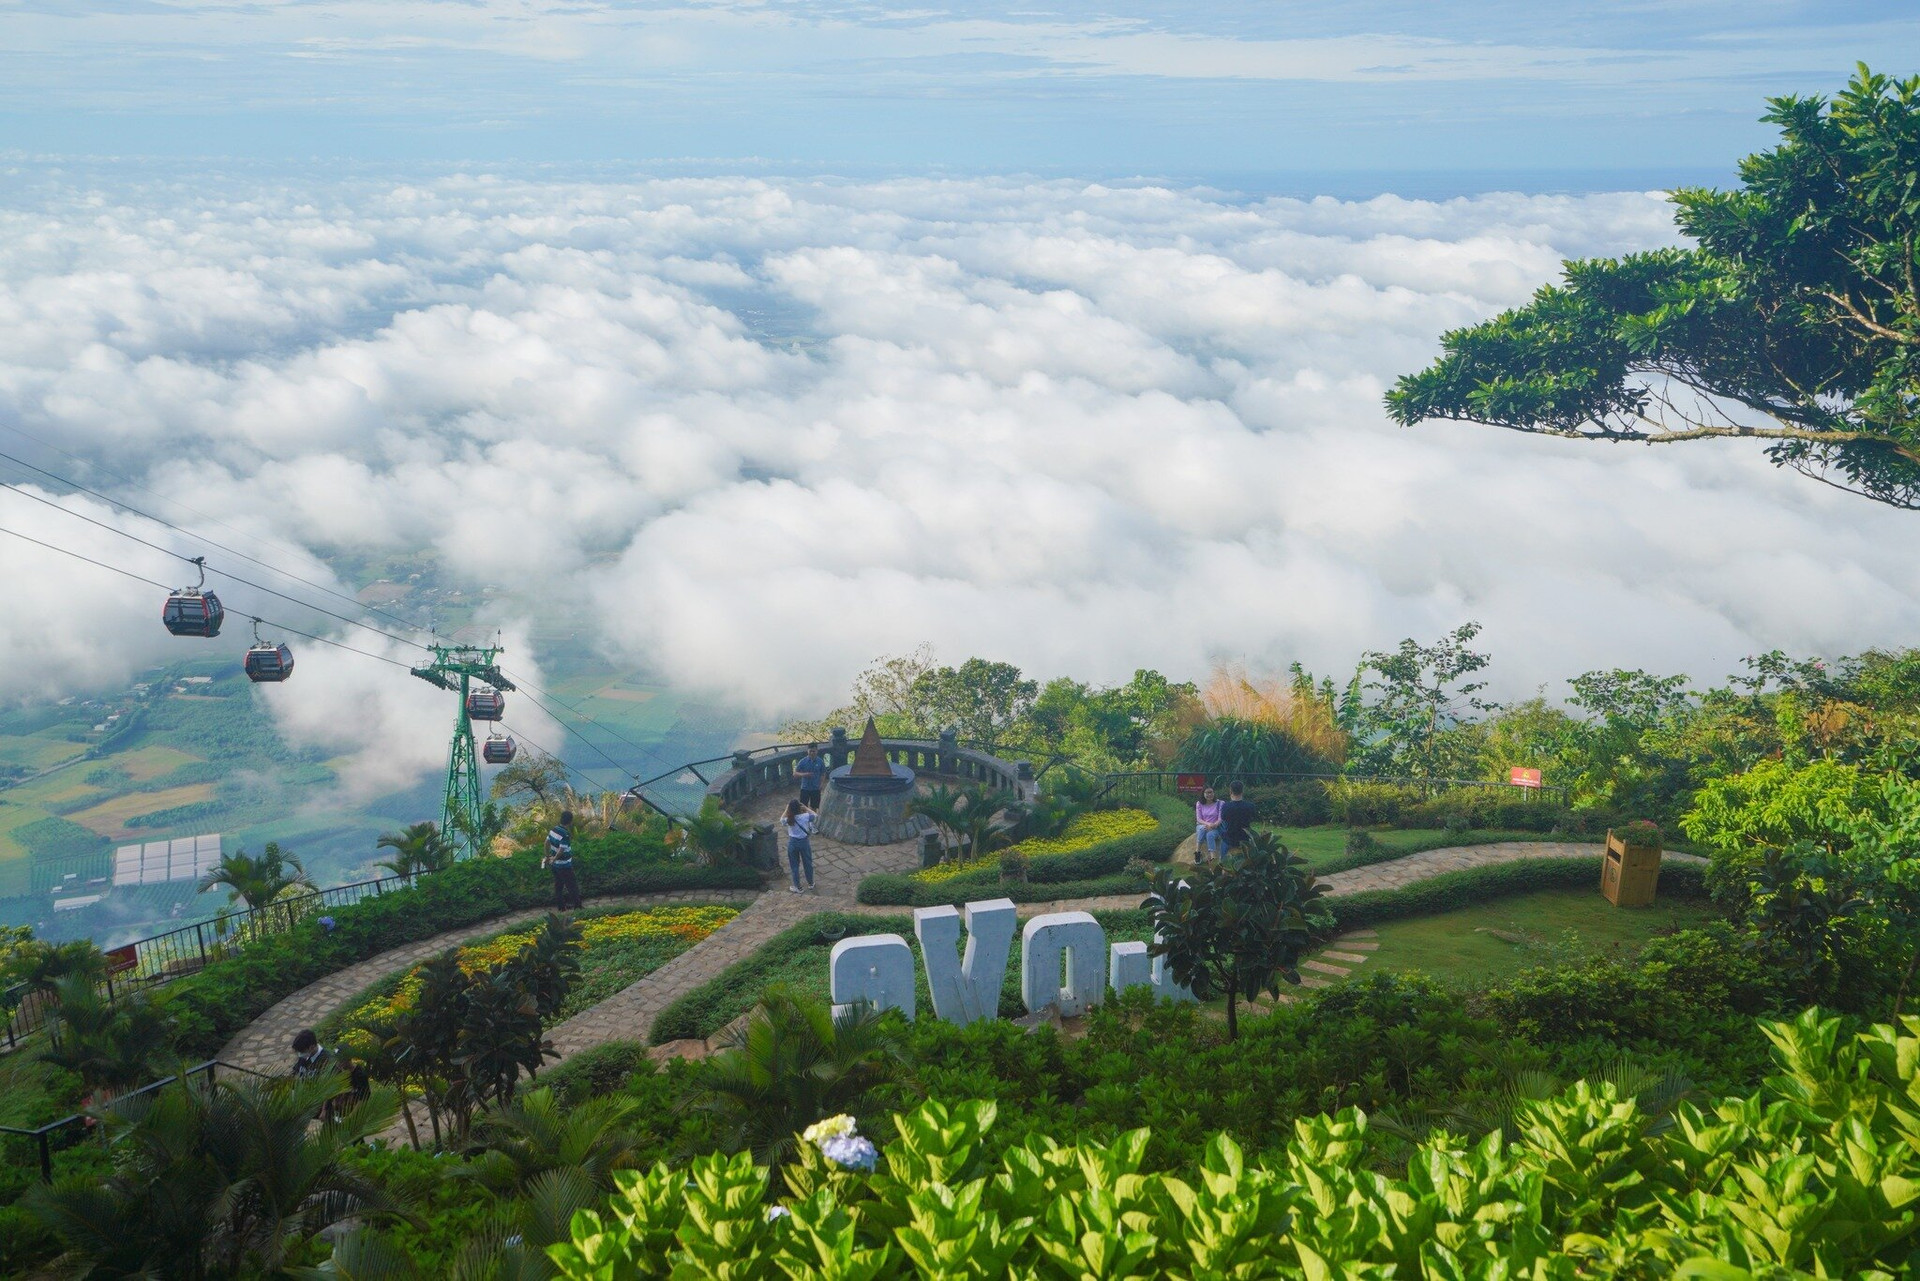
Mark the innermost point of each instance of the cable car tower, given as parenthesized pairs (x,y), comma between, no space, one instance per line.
(457,668)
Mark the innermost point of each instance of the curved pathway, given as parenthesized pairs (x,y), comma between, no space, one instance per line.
(263,1045)
(629,1014)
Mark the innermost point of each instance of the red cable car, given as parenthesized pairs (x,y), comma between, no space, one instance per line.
(193,611)
(499,749)
(485,704)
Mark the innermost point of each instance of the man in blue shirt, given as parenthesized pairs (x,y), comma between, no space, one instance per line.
(559,858)
(812,771)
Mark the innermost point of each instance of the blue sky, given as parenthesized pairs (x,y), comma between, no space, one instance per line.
(1265,95)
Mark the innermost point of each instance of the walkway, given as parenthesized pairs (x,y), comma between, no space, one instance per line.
(263,1045)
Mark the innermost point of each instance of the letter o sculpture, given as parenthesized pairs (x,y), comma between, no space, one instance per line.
(1046,938)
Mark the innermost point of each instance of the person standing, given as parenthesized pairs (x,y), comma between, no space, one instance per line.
(1236,817)
(310,1058)
(799,824)
(559,859)
(812,772)
(1208,838)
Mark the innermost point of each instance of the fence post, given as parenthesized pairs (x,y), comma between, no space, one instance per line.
(200,936)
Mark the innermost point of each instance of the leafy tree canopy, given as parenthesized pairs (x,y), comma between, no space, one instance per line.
(1794,319)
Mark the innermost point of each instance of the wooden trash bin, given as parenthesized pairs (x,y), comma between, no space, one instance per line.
(1629,874)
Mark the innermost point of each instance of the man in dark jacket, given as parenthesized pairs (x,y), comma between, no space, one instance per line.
(559,860)
(1236,817)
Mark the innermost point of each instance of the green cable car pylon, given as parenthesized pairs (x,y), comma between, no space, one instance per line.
(456,668)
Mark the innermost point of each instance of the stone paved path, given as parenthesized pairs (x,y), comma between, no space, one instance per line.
(263,1044)
(838,870)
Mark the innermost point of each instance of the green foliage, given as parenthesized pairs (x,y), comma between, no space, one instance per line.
(1412,700)
(215,1180)
(1234,925)
(1819,1175)
(983,700)
(598,1071)
(795,1062)
(712,836)
(1228,747)
(1798,303)
(256,881)
(1470,886)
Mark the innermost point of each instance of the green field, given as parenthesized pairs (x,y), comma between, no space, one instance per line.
(1533,929)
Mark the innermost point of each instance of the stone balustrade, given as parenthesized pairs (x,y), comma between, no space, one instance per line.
(943,759)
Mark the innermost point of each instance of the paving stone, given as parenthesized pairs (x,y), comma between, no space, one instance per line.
(1353,958)
(1321,967)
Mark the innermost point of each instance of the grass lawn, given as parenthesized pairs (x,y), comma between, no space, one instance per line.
(1459,947)
(1325,847)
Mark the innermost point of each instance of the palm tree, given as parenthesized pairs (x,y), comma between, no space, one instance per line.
(110,1047)
(216,1179)
(535,1135)
(713,836)
(256,881)
(420,848)
(980,819)
(796,1062)
(941,805)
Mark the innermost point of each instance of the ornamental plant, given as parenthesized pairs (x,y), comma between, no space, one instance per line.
(1817,1175)
(1082,833)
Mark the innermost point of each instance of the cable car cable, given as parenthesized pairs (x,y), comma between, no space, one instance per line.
(151,582)
(114,529)
(160,520)
(530,689)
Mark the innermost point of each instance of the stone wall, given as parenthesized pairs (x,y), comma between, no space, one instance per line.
(755,773)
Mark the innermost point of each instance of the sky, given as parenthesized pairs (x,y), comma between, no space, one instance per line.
(1273,93)
(769,339)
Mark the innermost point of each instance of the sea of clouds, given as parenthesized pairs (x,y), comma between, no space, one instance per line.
(759,431)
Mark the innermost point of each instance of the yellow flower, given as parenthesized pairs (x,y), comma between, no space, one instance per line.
(1084,832)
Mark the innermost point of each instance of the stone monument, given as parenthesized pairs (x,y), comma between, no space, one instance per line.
(866,802)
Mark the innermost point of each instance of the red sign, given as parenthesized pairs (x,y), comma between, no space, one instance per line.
(1521,776)
(1189,784)
(121,959)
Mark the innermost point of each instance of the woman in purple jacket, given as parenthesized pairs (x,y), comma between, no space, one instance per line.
(1208,838)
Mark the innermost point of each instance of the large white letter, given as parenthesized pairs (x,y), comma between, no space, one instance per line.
(1128,966)
(876,969)
(963,991)
(1084,944)
(1163,985)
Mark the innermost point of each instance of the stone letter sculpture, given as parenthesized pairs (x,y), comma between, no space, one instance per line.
(876,969)
(965,991)
(1132,967)
(1079,937)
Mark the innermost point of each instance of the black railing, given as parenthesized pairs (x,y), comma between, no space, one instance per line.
(68,1131)
(148,961)
(1167,780)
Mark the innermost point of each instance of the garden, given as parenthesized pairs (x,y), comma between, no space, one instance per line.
(1506,1076)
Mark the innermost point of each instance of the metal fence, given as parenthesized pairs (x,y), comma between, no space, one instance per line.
(69,1131)
(189,948)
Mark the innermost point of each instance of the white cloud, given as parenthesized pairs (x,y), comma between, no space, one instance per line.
(761,431)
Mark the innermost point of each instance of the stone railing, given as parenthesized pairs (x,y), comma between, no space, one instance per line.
(755,773)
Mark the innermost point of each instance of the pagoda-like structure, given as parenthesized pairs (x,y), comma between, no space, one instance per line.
(866,802)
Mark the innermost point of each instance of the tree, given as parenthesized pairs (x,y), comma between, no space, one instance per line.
(942,806)
(981,822)
(1795,320)
(110,1045)
(1234,926)
(982,699)
(480,830)
(217,1179)
(796,1062)
(533,776)
(1419,693)
(886,692)
(256,881)
(420,848)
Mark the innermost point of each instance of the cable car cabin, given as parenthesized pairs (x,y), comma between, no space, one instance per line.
(498,750)
(193,613)
(486,705)
(269,662)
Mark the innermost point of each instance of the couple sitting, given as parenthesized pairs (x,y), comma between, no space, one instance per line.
(1219,826)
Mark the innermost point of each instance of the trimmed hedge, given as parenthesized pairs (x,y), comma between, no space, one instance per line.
(597,1073)
(892,890)
(227,995)
(1473,886)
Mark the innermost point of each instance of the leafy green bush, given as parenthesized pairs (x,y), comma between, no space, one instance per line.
(1301,804)
(1371,804)
(228,994)
(893,890)
(1814,1176)
(597,1072)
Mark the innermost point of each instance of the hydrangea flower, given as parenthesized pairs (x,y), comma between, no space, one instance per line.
(851,1152)
(834,1127)
(778,1212)
(327,923)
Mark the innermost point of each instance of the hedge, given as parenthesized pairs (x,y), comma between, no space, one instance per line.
(894,890)
(1473,886)
(219,1000)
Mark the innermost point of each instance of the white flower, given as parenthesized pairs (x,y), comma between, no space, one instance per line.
(778,1212)
(834,1127)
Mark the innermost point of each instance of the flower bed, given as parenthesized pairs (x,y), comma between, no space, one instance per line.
(1082,833)
(620,948)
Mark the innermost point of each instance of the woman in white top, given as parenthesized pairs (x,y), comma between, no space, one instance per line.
(799,824)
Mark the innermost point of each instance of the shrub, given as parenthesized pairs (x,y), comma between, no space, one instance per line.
(1475,885)
(1588,1184)
(1099,828)
(1361,843)
(598,1072)
(1370,804)
(228,994)
(1301,804)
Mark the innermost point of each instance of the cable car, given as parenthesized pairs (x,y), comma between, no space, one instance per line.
(498,749)
(269,662)
(194,611)
(485,704)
